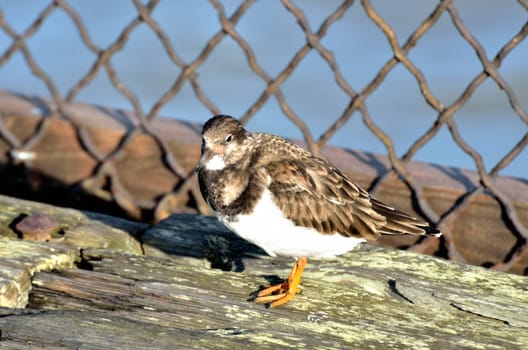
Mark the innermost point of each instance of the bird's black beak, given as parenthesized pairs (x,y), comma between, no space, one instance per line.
(206,156)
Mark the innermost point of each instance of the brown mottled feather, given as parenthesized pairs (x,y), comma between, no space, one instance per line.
(327,200)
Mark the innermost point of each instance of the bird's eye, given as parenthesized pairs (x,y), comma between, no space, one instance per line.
(229,138)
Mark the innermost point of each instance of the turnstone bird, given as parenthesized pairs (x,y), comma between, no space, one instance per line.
(288,201)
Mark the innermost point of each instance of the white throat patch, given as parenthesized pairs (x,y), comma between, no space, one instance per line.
(215,163)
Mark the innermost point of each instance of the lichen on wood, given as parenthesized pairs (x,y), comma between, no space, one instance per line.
(189,287)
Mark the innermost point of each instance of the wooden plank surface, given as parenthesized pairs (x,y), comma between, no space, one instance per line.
(169,296)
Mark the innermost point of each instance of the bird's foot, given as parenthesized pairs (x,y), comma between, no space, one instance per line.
(277,294)
(283,292)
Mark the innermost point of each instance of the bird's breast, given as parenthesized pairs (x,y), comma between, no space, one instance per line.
(267,227)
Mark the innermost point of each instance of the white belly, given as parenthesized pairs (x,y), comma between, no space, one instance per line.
(269,229)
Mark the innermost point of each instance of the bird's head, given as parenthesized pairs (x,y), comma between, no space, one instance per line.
(223,140)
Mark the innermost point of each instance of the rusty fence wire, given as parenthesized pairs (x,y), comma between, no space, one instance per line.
(273,89)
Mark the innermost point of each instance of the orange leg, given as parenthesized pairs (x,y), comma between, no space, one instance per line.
(285,291)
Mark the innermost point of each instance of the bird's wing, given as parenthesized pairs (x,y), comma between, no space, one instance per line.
(312,193)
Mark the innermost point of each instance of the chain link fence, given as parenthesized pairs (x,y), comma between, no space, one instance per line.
(273,88)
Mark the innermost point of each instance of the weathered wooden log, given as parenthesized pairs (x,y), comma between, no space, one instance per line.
(20,260)
(173,298)
(59,167)
(371,297)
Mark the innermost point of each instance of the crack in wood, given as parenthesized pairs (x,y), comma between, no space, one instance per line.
(394,289)
(461,308)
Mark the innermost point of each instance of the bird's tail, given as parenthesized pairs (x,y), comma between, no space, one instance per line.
(399,223)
